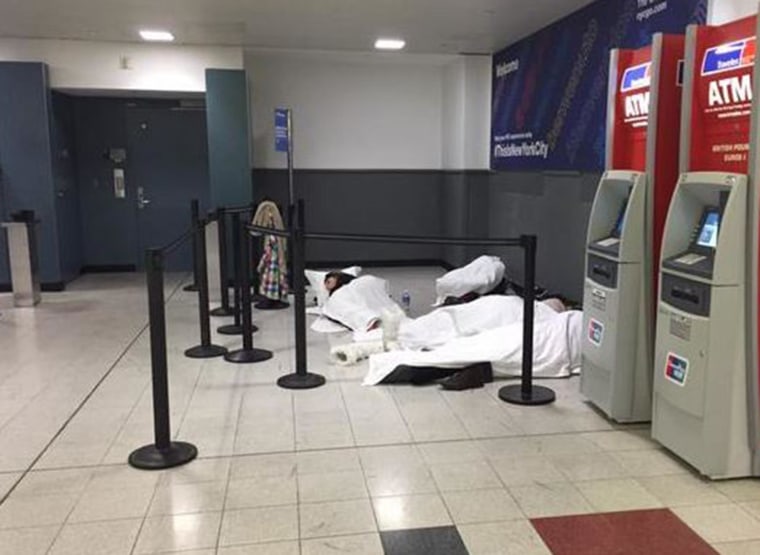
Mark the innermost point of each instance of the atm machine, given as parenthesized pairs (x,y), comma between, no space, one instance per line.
(700,401)
(615,370)
(625,226)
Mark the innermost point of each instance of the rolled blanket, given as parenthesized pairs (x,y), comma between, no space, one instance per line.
(351,353)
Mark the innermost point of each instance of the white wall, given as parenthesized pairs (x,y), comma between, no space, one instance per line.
(477,108)
(723,11)
(453,116)
(84,65)
(350,111)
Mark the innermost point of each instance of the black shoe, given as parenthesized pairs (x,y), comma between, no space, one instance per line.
(471,377)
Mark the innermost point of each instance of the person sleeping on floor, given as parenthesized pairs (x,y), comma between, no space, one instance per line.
(456,343)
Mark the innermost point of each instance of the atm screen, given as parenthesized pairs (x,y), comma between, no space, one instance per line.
(617,231)
(707,235)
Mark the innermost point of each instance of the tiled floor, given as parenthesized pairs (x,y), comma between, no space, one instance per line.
(342,468)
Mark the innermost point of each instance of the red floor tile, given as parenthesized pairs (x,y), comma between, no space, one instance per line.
(650,532)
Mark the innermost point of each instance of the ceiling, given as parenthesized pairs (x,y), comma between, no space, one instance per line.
(429,26)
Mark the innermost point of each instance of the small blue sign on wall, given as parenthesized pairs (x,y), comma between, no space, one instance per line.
(281,129)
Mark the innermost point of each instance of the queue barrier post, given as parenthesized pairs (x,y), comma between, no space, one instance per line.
(248,353)
(195,216)
(301,379)
(236,328)
(221,226)
(163,452)
(526,393)
(206,349)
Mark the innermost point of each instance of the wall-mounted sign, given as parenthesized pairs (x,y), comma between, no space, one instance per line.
(281,129)
(550,89)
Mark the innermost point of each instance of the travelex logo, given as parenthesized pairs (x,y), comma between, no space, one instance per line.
(676,369)
(595,332)
(636,77)
(729,56)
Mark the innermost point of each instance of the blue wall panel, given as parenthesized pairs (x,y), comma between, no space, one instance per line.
(228,150)
(25,159)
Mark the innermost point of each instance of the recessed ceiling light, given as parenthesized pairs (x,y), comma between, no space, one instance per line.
(390,44)
(156,36)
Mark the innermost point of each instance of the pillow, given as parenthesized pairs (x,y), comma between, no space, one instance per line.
(316,281)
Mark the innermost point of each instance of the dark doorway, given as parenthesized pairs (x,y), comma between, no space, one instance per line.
(161,147)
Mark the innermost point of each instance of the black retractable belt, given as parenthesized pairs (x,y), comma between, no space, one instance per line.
(242,256)
(301,379)
(206,349)
(221,226)
(163,453)
(526,393)
(195,215)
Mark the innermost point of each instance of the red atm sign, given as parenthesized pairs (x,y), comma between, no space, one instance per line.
(722,97)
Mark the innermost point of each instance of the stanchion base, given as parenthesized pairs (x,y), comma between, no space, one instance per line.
(150,457)
(539,395)
(233,329)
(301,381)
(271,304)
(192,288)
(205,351)
(222,312)
(244,356)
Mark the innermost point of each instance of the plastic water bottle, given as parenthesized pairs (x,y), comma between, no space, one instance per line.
(406,301)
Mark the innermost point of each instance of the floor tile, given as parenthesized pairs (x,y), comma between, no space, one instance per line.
(503,538)
(738,548)
(464,476)
(276,548)
(336,518)
(740,490)
(178,533)
(491,505)
(527,470)
(649,462)
(654,532)
(48,482)
(111,505)
(441,541)
(363,544)
(632,440)
(29,541)
(331,486)
(399,481)
(261,492)
(184,498)
(720,523)
(450,452)
(679,490)
(260,525)
(257,466)
(199,470)
(414,511)
(317,462)
(39,510)
(578,467)
(617,495)
(115,537)
(550,500)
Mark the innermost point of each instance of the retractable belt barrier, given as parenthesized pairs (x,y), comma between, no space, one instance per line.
(165,453)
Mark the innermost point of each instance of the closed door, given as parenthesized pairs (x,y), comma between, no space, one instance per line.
(168,167)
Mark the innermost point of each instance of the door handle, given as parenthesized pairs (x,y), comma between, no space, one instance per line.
(142,202)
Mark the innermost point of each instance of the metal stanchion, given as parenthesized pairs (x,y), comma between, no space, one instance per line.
(242,254)
(301,379)
(163,453)
(195,216)
(526,393)
(221,226)
(236,327)
(206,349)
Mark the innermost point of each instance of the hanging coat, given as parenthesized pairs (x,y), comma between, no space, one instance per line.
(273,272)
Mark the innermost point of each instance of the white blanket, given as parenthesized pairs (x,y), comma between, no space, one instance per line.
(480,276)
(556,350)
(360,304)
